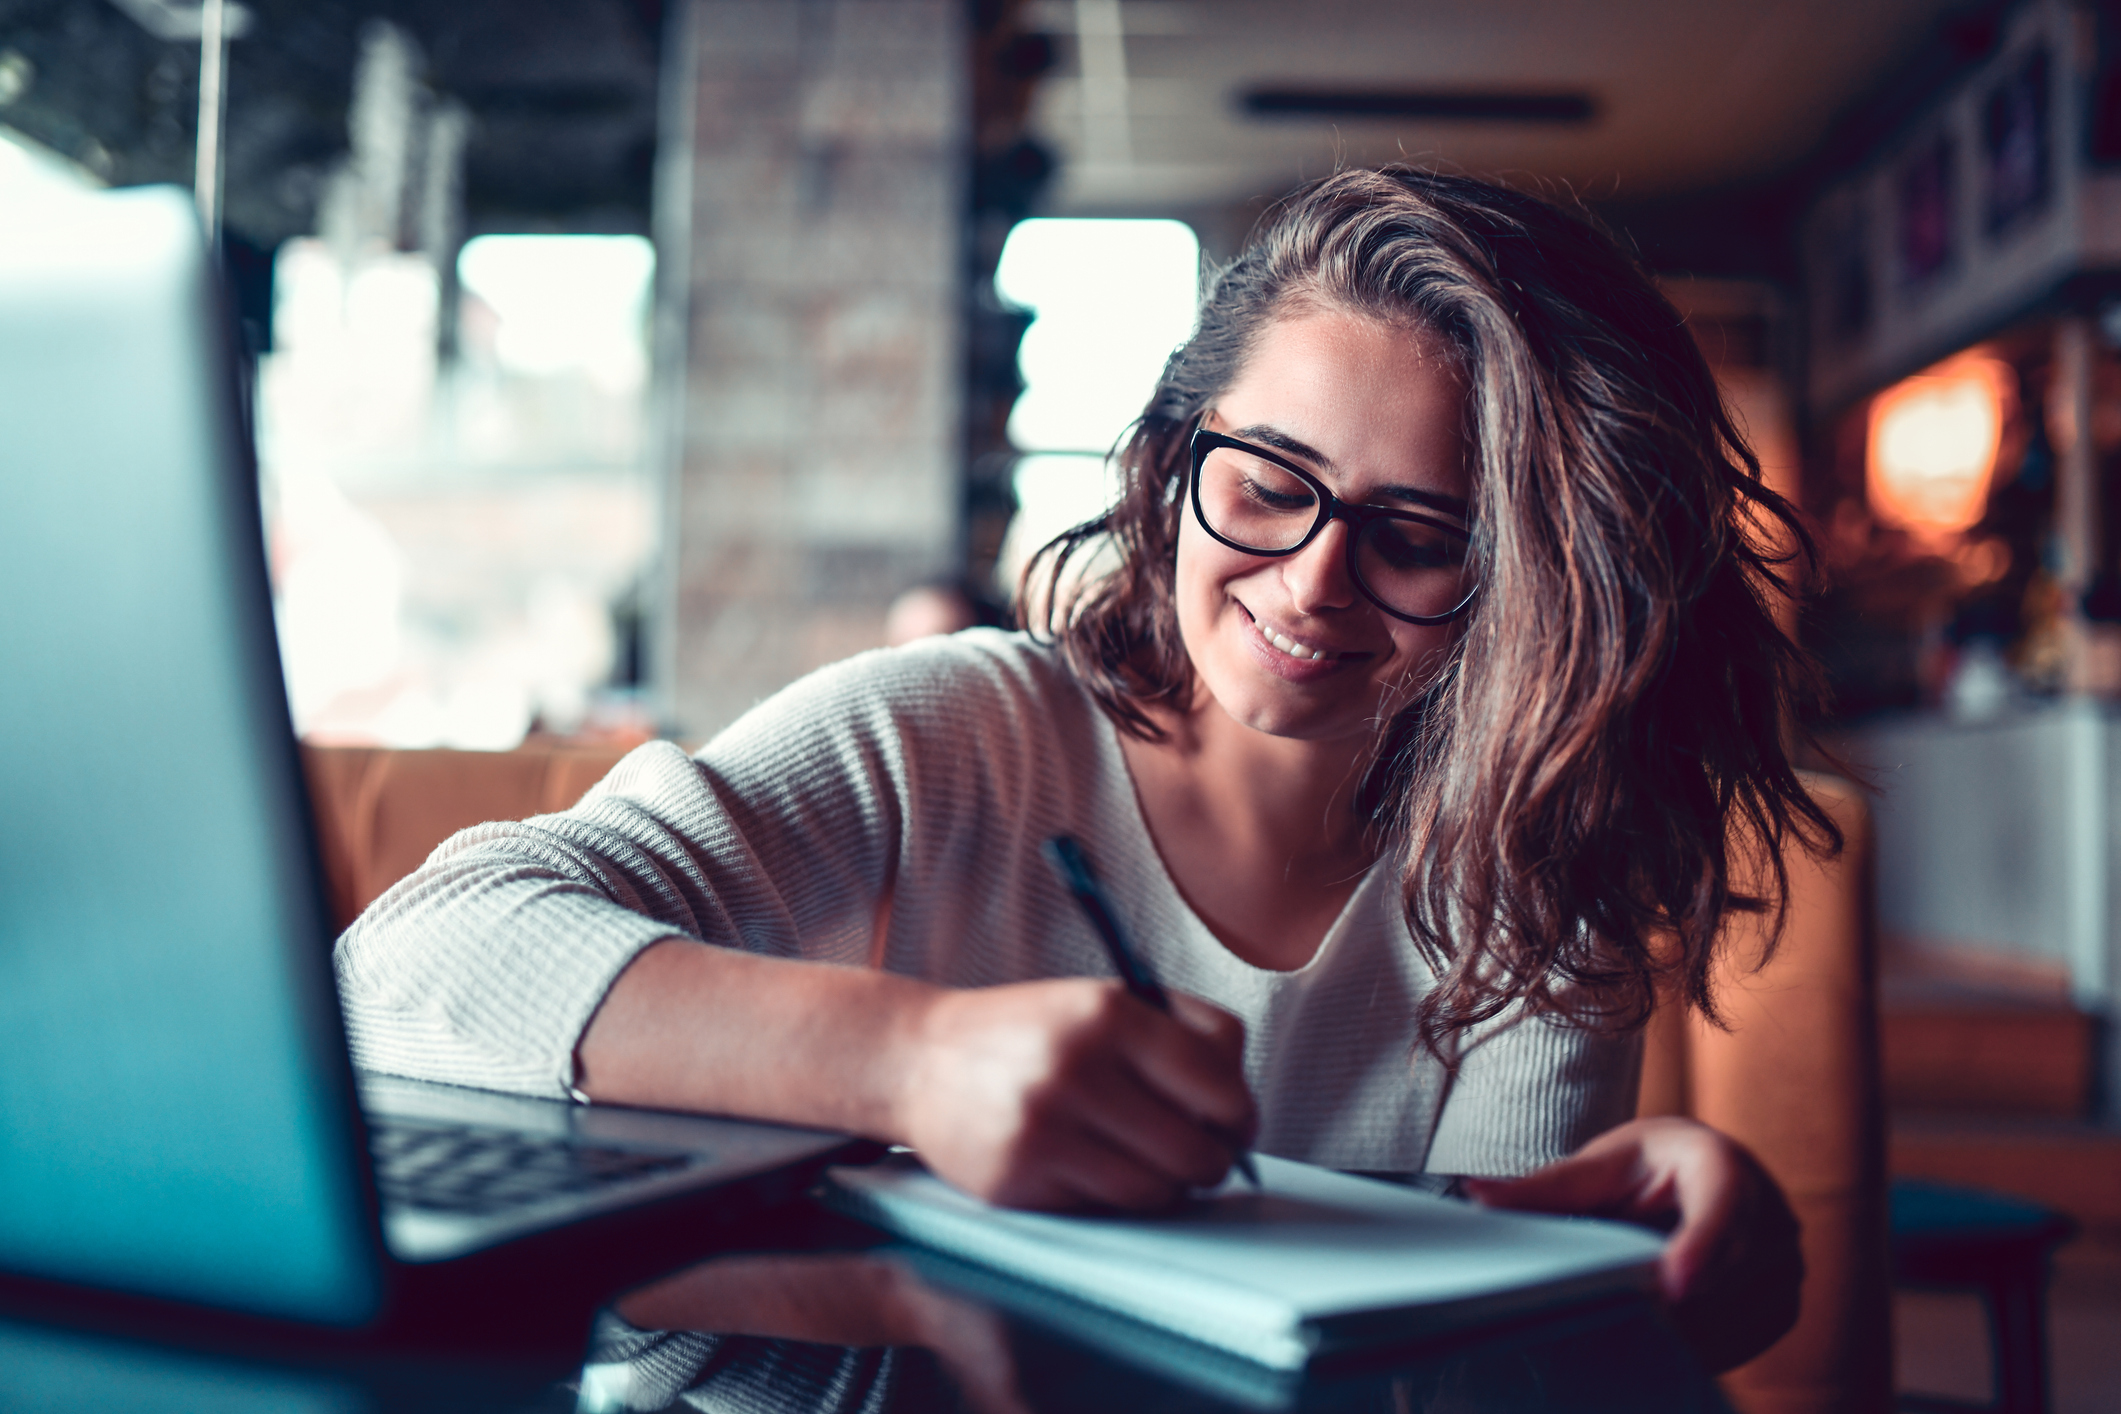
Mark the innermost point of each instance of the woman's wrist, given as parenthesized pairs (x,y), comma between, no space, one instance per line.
(693,1026)
(889,1071)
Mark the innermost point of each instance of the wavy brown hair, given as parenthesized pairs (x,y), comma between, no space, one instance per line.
(1603,752)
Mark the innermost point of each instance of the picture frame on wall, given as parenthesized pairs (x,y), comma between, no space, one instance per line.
(1927,191)
(2017,147)
(1845,262)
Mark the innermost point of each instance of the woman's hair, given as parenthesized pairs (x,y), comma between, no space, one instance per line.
(1601,756)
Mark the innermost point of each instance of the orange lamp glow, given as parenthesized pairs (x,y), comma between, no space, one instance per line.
(1933,441)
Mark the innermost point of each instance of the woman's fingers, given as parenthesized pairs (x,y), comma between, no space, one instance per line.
(1099,1173)
(1073,1093)
(1195,1059)
(1709,1184)
(1224,1032)
(1598,1178)
(1147,1125)
(1674,1175)
(1166,1094)
(1731,1271)
(1734,1270)
(1069,1158)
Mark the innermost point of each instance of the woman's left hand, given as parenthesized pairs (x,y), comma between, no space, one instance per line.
(1731,1272)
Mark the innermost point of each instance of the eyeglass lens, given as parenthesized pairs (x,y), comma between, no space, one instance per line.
(1415,567)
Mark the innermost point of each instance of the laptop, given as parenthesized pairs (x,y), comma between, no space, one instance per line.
(179,1119)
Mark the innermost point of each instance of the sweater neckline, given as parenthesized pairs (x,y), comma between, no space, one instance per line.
(1144,842)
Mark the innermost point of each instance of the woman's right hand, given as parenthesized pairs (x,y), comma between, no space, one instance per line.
(1059,1094)
(1071,1093)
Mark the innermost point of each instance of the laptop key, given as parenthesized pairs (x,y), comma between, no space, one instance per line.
(461,1169)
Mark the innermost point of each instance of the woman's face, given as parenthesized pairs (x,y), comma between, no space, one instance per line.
(1375,413)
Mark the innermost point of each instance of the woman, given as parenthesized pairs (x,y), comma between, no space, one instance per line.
(1415,731)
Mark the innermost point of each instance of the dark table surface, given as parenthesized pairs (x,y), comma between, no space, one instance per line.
(814,1313)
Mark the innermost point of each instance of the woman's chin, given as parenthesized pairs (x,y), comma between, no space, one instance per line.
(1297,710)
(1257,685)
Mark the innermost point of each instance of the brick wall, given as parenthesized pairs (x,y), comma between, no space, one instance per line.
(814,198)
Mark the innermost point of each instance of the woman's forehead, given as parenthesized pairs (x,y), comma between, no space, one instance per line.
(1338,362)
(1357,400)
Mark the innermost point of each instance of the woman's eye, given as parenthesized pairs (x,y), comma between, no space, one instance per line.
(1411,547)
(1275,500)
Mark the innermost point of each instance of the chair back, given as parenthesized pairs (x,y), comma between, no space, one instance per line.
(381,812)
(1795,1079)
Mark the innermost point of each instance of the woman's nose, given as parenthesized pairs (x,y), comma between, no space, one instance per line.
(1317,575)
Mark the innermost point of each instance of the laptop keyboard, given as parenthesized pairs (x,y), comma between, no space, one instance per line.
(462,1169)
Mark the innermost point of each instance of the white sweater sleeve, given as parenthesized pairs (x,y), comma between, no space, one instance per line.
(484,966)
(1529,1091)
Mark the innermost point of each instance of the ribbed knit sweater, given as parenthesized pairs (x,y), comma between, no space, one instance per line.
(888,811)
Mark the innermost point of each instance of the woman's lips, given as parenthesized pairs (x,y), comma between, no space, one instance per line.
(1292,658)
(1290,646)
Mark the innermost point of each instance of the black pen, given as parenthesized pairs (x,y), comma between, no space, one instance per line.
(1069,862)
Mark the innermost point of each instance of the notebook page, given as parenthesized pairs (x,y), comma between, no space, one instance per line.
(1251,1270)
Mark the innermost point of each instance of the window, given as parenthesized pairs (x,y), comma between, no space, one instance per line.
(1112,299)
(456,541)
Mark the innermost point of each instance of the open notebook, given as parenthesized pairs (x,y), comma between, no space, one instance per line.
(1315,1263)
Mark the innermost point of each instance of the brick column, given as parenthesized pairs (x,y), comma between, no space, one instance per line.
(812,203)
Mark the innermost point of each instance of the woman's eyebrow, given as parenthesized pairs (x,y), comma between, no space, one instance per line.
(1281,441)
(1435,501)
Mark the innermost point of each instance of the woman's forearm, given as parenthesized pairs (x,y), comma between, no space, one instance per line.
(688,1026)
(1060,1093)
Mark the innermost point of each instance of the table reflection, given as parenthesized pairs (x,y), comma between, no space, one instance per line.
(892,1328)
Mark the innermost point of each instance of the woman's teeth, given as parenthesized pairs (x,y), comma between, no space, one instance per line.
(1290,646)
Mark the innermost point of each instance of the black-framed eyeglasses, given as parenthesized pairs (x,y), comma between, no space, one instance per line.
(1412,566)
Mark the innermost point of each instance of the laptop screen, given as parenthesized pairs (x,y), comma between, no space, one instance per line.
(175,1102)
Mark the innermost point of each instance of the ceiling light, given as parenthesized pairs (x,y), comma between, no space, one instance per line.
(1933,443)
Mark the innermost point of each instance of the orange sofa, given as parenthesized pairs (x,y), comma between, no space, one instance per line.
(1795,1078)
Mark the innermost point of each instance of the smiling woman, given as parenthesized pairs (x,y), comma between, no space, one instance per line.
(1414,729)
(1559,778)
(1296,574)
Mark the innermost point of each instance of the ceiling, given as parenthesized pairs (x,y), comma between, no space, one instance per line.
(1686,95)
(561,95)
(1143,105)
